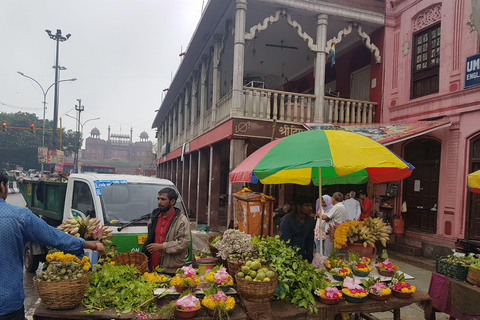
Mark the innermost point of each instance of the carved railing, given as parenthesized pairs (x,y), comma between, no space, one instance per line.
(279,105)
(223,107)
(339,110)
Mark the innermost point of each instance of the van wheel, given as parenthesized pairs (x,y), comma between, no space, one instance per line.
(30,260)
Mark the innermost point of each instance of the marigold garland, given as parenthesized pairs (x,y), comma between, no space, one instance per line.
(182,280)
(210,277)
(211,303)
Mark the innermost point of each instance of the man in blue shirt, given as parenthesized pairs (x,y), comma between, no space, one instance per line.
(298,227)
(18,226)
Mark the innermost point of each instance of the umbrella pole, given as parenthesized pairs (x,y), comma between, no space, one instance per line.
(320,208)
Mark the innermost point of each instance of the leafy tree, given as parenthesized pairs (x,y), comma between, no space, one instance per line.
(19,146)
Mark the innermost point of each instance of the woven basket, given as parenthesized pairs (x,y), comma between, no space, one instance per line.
(473,276)
(385,273)
(402,295)
(328,300)
(378,297)
(455,271)
(359,273)
(234,266)
(138,259)
(353,299)
(62,294)
(257,291)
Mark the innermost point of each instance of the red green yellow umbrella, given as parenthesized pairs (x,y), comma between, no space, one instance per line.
(323,157)
(474,181)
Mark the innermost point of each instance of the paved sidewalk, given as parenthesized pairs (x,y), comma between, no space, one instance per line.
(421,269)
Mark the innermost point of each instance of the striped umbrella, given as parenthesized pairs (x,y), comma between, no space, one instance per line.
(474,181)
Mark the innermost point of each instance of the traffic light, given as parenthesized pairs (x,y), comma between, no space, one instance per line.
(32,128)
(4,126)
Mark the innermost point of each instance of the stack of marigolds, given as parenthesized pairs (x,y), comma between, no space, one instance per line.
(62,266)
(367,232)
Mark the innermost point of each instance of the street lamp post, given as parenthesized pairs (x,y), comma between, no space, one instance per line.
(58,38)
(44,103)
(79,130)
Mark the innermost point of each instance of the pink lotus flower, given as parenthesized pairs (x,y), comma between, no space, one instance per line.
(378,286)
(352,283)
(331,292)
(220,296)
(220,275)
(189,271)
(189,301)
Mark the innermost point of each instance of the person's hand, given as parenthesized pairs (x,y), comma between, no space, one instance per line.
(154,247)
(100,248)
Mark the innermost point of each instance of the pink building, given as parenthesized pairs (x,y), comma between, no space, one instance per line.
(425,51)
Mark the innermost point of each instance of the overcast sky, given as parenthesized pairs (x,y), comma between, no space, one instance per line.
(123,53)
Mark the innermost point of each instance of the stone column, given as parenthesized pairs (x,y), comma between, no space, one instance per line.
(181,113)
(194,95)
(170,127)
(185,180)
(214,187)
(216,75)
(322,22)
(237,155)
(238,58)
(186,114)
(202,190)
(174,126)
(179,180)
(192,182)
(203,91)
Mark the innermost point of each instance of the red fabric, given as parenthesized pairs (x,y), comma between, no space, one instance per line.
(160,234)
(367,204)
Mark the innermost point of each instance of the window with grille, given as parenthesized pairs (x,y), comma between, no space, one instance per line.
(426,61)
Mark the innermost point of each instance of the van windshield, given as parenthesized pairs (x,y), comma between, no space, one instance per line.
(126,202)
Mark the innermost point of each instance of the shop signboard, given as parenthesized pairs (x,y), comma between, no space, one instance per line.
(42,154)
(472,71)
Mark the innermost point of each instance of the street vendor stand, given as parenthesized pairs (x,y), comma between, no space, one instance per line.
(458,299)
(270,310)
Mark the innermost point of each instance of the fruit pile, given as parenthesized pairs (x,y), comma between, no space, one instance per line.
(57,271)
(253,271)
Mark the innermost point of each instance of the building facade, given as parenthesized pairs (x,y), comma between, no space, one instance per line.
(255,71)
(117,147)
(427,77)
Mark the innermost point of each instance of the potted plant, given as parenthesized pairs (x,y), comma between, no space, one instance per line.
(360,266)
(353,291)
(187,306)
(401,288)
(376,289)
(219,277)
(361,236)
(218,304)
(185,279)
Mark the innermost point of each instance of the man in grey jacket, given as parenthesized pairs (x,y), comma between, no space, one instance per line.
(168,234)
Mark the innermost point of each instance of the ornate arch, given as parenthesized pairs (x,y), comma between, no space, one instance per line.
(427,17)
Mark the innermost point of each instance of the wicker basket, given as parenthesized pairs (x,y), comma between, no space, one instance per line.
(359,273)
(402,295)
(378,297)
(257,291)
(62,294)
(455,271)
(138,259)
(473,276)
(385,273)
(234,266)
(353,299)
(329,301)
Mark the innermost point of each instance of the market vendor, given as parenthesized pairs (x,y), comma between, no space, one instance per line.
(17,226)
(338,214)
(168,234)
(298,227)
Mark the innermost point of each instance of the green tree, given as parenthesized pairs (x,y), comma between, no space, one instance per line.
(19,146)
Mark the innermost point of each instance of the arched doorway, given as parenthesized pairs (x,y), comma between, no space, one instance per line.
(473,199)
(420,190)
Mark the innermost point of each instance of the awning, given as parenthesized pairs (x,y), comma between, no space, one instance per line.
(384,133)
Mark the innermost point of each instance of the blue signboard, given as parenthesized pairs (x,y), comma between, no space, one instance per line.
(472,71)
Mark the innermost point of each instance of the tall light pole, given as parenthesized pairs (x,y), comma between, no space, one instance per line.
(44,103)
(58,38)
(80,131)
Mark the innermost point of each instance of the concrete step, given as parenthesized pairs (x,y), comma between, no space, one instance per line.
(406,249)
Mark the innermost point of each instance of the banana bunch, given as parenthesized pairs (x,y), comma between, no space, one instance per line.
(379,229)
(88,229)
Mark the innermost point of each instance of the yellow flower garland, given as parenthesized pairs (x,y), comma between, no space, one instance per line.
(59,256)
(341,233)
(185,281)
(211,303)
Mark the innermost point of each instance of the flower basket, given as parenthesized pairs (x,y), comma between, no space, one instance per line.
(62,294)
(234,266)
(385,273)
(138,259)
(338,278)
(359,273)
(186,314)
(181,289)
(353,298)
(257,291)
(402,295)
(378,297)
(328,300)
